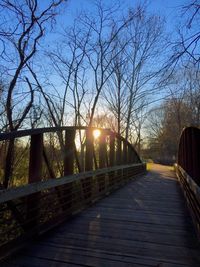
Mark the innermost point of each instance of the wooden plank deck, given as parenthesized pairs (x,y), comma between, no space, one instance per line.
(145,223)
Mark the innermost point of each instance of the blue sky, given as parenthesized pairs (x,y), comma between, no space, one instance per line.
(167,8)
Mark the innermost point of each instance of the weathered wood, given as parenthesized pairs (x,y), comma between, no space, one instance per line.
(102,151)
(69,157)
(112,150)
(192,194)
(125,156)
(193,186)
(89,150)
(35,162)
(35,175)
(123,237)
(119,152)
(9,163)
(87,183)
(102,160)
(125,152)
(69,153)
(63,254)
(48,165)
(112,159)
(130,154)
(50,202)
(18,192)
(189,152)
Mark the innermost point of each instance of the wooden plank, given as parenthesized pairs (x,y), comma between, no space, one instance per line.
(182,255)
(137,212)
(164,220)
(28,261)
(141,227)
(90,257)
(154,209)
(105,230)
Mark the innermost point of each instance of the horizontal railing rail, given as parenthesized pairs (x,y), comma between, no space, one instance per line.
(22,191)
(23,133)
(28,132)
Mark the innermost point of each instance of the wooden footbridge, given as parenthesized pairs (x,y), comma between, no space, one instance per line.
(97,205)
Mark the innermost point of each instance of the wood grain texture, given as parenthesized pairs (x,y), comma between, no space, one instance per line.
(145,223)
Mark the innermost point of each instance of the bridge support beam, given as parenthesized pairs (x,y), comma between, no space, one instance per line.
(35,175)
(125,150)
(112,159)
(87,183)
(69,156)
(102,160)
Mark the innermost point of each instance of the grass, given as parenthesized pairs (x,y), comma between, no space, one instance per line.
(150,164)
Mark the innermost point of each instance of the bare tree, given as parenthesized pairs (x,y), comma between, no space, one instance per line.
(104,29)
(116,91)
(186,46)
(68,62)
(23,24)
(180,110)
(132,79)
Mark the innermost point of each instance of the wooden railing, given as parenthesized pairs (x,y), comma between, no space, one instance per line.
(53,192)
(189,152)
(192,195)
(188,172)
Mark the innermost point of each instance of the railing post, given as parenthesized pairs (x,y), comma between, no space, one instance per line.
(130,160)
(119,152)
(87,183)
(69,152)
(9,162)
(119,159)
(112,158)
(125,152)
(125,171)
(35,175)
(102,159)
(69,156)
(89,150)
(112,150)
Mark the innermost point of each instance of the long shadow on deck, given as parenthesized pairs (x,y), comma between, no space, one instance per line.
(145,223)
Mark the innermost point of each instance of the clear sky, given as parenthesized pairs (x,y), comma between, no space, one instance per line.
(167,8)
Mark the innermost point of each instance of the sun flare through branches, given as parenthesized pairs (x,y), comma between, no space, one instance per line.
(96,133)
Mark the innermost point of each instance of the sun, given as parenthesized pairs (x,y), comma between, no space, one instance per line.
(96,133)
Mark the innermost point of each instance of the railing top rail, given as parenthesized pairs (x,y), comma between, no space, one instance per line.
(28,132)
